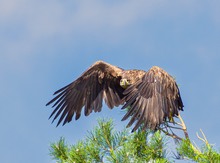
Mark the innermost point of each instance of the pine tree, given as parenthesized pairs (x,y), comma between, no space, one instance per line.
(105,145)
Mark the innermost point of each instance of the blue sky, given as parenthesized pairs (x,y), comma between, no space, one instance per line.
(47,44)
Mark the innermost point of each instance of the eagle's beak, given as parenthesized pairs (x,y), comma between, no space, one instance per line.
(124,83)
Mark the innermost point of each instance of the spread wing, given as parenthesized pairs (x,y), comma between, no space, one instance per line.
(100,81)
(152,100)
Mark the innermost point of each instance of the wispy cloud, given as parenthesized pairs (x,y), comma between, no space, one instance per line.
(28,24)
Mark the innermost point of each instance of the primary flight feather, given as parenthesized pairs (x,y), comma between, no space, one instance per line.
(151,97)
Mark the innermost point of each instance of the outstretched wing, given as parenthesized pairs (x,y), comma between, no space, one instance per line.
(100,81)
(152,100)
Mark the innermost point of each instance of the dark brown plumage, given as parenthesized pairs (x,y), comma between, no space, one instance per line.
(151,97)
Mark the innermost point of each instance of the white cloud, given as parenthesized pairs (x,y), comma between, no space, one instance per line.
(51,17)
(36,21)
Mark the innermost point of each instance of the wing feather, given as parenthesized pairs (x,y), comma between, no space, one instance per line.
(100,81)
(130,111)
(152,100)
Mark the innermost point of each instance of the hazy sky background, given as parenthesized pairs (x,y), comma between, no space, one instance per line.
(45,45)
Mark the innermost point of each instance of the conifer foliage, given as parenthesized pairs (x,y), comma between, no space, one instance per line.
(105,145)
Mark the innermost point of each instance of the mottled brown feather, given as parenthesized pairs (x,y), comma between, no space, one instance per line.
(157,99)
(151,97)
(100,81)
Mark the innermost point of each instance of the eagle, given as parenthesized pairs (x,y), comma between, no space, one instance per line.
(151,98)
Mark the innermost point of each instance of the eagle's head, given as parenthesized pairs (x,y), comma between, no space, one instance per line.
(124,83)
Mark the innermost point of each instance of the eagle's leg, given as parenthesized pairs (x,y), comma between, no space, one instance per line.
(167,128)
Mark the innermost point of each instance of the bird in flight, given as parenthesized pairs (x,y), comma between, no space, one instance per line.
(151,97)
